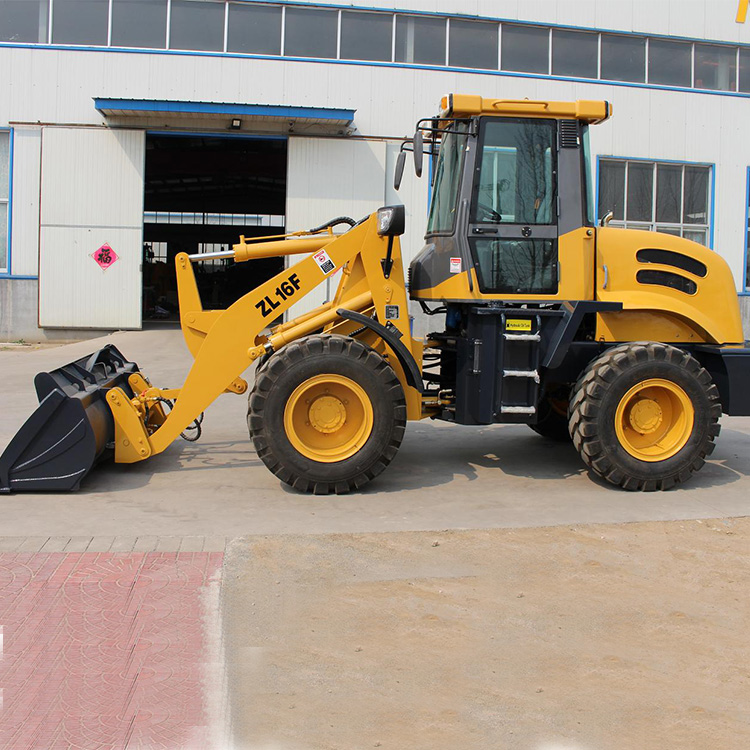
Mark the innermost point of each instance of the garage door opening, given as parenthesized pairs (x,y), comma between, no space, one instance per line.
(201,194)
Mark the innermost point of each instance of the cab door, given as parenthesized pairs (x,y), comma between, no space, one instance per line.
(528,237)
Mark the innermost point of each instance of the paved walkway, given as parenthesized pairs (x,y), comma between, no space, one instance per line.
(107,642)
(109,600)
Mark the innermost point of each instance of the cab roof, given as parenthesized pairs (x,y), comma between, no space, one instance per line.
(468,105)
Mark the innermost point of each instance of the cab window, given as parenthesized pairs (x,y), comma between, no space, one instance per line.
(516,169)
(447,180)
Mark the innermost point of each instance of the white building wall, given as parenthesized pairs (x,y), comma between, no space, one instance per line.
(702,19)
(328,178)
(92,195)
(647,123)
(54,86)
(27,154)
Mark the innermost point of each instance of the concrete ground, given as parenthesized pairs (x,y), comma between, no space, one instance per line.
(599,637)
(485,591)
(444,476)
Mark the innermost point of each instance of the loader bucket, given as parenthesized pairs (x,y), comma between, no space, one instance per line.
(71,430)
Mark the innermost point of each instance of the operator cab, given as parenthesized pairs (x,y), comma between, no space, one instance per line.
(509,201)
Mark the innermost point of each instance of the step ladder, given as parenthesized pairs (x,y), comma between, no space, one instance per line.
(520,347)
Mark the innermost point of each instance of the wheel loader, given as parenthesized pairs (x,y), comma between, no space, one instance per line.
(627,342)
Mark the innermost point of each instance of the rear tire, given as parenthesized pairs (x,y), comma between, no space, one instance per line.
(326,414)
(644,416)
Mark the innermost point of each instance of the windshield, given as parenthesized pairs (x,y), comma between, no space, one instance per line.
(447,180)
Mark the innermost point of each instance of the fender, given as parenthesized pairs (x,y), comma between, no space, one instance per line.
(392,337)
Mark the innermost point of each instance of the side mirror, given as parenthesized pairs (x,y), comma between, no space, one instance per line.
(418,152)
(398,173)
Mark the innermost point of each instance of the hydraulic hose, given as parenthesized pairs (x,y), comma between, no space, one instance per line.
(334,222)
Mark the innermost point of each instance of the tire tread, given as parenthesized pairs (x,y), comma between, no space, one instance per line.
(299,351)
(585,406)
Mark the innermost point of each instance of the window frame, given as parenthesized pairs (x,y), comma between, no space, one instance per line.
(229,4)
(479,150)
(691,69)
(337,10)
(636,37)
(51,30)
(501,45)
(435,183)
(6,270)
(682,226)
(362,12)
(718,47)
(167,22)
(407,16)
(170,17)
(740,49)
(598,54)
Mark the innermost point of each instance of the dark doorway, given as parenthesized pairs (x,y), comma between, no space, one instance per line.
(202,193)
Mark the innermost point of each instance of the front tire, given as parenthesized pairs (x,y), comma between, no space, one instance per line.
(326,414)
(644,416)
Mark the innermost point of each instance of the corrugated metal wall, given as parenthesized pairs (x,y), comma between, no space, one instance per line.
(58,86)
(327,178)
(27,153)
(92,194)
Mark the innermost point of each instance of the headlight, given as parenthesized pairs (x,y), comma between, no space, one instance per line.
(391,221)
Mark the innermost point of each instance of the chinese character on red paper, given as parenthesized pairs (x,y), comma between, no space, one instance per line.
(105,256)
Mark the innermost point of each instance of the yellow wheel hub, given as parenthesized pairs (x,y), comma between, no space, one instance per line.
(327,414)
(654,420)
(646,416)
(328,418)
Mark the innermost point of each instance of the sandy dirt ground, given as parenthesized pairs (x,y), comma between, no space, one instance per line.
(599,637)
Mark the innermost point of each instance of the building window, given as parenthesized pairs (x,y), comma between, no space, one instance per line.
(574,53)
(366,36)
(24,21)
(525,49)
(745,70)
(657,196)
(420,39)
(306,30)
(715,67)
(623,58)
(80,22)
(669,62)
(139,23)
(310,32)
(194,25)
(4,195)
(254,28)
(473,44)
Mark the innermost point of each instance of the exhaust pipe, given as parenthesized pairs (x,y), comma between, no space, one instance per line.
(71,430)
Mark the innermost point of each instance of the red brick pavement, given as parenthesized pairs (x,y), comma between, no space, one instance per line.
(103,650)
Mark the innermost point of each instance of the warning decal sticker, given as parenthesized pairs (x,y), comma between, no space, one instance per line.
(455,265)
(324,262)
(518,325)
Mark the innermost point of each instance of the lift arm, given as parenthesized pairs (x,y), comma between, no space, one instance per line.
(225,343)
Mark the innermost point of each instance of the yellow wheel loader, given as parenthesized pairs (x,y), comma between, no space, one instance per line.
(628,342)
